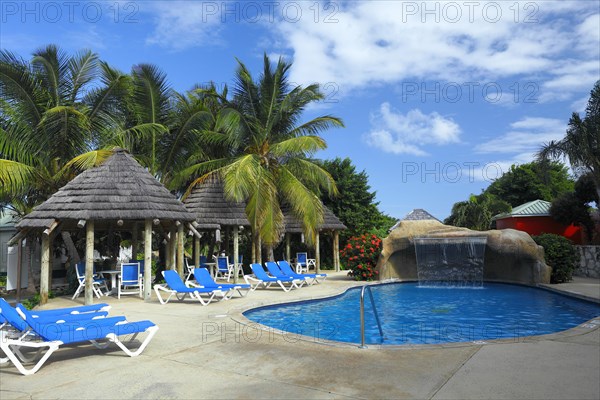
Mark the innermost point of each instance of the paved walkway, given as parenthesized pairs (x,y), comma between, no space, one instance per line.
(205,352)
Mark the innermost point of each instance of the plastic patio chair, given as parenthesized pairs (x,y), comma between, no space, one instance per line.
(224,269)
(97,282)
(303,263)
(130,280)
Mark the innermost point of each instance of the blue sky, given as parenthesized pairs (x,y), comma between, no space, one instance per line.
(438,97)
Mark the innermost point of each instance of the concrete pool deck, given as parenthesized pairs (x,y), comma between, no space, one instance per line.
(205,352)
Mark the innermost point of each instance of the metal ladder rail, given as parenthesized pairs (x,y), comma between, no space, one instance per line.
(362,315)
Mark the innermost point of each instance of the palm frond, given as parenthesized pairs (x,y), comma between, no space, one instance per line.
(15,177)
(82,70)
(85,161)
(20,87)
(298,146)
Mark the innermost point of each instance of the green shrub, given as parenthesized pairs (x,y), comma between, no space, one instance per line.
(34,300)
(360,256)
(560,254)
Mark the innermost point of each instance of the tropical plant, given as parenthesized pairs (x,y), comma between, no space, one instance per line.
(573,207)
(560,254)
(581,145)
(477,212)
(360,256)
(52,113)
(266,151)
(357,208)
(532,181)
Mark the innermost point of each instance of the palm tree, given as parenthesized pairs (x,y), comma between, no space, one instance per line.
(266,157)
(581,145)
(50,120)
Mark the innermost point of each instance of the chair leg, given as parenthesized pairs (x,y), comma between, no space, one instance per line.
(5,345)
(151,332)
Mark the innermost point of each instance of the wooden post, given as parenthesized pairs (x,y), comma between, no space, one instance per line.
(180,255)
(134,241)
(196,252)
(288,249)
(89,263)
(19,268)
(336,250)
(173,248)
(44,273)
(147,259)
(317,254)
(168,252)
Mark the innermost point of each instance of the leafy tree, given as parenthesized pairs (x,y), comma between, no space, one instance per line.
(573,207)
(52,111)
(267,157)
(356,206)
(585,189)
(581,145)
(531,181)
(477,212)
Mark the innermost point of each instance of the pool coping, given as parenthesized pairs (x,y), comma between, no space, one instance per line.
(237,315)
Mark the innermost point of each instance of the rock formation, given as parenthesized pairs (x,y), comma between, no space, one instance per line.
(510,255)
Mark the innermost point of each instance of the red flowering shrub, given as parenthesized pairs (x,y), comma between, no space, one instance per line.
(360,256)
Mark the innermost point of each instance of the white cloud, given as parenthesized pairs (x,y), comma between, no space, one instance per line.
(398,133)
(386,42)
(182,24)
(525,137)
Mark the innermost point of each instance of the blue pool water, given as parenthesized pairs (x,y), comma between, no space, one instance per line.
(428,315)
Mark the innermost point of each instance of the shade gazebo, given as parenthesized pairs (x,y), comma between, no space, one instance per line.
(119,194)
(212,210)
(330,223)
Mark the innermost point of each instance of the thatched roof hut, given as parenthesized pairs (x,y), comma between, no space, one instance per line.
(120,195)
(119,189)
(330,223)
(210,208)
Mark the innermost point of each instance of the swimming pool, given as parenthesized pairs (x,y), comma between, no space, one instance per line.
(430,315)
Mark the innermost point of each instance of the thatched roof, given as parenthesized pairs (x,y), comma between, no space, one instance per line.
(119,189)
(208,204)
(418,214)
(330,221)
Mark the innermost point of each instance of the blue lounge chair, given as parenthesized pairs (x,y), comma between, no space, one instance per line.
(261,278)
(203,279)
(175,286)
(54,335)
(286,268)
(275,271)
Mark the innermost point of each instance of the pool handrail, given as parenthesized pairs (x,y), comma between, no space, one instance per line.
(362,315)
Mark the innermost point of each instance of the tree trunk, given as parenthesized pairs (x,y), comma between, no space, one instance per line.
(68,241)
(270,255)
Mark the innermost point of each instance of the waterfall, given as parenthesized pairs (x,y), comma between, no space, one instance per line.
(450,261)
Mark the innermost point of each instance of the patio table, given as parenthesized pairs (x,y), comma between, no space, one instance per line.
(114,273)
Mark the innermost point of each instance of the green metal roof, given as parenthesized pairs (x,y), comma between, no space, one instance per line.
(530,209)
